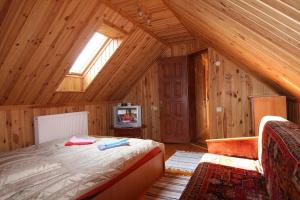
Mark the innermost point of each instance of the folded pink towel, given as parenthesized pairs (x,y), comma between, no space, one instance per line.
(79,141)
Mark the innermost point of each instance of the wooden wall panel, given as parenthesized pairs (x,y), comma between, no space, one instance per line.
(16,122)
(145,90)
(229,88)
(71,84)
(293,111)
(223,86)
(145,93)
(184,48)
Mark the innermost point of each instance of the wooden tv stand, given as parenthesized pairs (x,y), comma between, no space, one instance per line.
(135,132)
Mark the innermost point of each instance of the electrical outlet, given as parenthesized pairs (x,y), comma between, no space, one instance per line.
(154,108)
(219,109)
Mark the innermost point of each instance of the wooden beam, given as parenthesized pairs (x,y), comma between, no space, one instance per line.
(105,22)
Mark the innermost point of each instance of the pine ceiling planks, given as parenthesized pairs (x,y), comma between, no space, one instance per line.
(41,39)
(289,8)
(293,3)
(66,34)
(48,32)
(164,23)
(265,25)
(251,32)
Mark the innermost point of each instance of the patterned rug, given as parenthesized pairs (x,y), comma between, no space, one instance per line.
(183,162)
(214,181)
(179,168)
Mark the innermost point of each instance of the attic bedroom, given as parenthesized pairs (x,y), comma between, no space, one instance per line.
(150,99)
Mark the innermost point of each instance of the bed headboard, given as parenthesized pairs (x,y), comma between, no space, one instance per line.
(51,127)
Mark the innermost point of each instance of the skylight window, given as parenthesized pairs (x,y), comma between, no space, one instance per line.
(94,56)
(89,52)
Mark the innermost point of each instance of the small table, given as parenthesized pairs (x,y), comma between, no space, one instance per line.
(133,132)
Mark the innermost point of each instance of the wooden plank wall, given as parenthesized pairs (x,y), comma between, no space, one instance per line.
(185,48)
(145,93)
(229,88)
(16,122)
(294,110)
(71,84)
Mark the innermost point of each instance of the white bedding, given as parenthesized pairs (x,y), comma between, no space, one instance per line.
(53,171)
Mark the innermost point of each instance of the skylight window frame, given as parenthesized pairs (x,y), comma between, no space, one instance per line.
(90,64)
(94,60)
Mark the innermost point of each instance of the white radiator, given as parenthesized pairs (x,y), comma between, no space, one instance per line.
(51,127)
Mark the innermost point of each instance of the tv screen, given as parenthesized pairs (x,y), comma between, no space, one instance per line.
(127,115)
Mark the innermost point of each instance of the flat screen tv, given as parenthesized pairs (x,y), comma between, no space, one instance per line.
(127,116)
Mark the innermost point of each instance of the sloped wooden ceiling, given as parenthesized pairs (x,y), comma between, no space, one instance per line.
(263,35)
(163,23)
(40,40)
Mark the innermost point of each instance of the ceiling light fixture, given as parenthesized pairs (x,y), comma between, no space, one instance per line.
(148,21)
(144,15)
(140,13)
(217,63)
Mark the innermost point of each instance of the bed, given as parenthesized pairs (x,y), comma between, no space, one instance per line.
(54,171)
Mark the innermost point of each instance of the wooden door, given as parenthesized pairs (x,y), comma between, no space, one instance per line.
(173,94)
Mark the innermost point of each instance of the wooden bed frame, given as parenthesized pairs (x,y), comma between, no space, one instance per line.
(128,185)
(137,182)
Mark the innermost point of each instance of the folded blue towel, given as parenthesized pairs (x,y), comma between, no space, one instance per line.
(112,144)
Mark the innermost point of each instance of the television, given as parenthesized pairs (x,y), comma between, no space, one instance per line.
(127,116)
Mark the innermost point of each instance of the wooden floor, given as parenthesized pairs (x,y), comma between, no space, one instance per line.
(171,149)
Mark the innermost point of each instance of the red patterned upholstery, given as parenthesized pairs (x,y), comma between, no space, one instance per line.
(213,181)
(279,160)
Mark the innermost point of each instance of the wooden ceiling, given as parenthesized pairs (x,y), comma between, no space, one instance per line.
(41,39)
(263,35)
(163,23)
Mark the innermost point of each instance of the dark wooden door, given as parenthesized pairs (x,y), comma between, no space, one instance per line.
(173,94)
